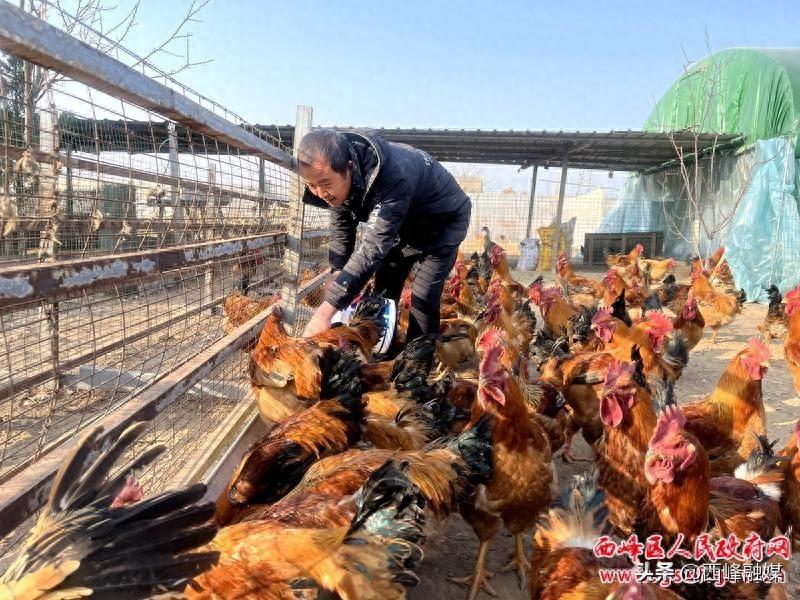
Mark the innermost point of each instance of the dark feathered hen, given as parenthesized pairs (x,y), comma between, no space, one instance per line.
(81,546)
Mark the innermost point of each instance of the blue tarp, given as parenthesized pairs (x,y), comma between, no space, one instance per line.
(761,234)
(762,245)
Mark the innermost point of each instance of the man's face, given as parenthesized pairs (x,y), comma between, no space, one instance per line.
(327,184)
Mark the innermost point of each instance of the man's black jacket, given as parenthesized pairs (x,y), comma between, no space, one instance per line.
(414,201)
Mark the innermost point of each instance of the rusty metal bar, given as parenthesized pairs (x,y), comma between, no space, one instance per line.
(69,278)
(311,234)
(23,495)
(36,41)
(46,373)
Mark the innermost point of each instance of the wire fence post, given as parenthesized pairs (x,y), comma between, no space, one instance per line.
(294,233)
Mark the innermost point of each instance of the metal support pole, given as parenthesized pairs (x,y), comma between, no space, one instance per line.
(294,233)
(531,199)
(175,173)
(559,209)
(262,190)
(210,207)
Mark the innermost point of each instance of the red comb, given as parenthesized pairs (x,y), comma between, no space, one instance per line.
(616,370)
(759,348)
(659,321)
(670,422)
(602,314)
(491,336)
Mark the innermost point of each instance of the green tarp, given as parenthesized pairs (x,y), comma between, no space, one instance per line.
(748,91)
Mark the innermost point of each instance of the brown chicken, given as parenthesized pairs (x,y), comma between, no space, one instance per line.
(288,373)
(689,322)
(663,358)
(239,309)
(776,320)
(624,260)
(725,421)
(658,269)
(557,313)
(791,347)
(689,502)
(315,297)
(628,418)
(285,371)
(524,477)
(446,471)
(144,548)
(791,485)
(563,564)
(524,321)
(372,557)
(673,295)
(635,295)
(580,379)
(503,292)
(279,459)
(718,309)
(718,270)
(497,257)
(466,305)
(495,316)
(581,290)
(456,344)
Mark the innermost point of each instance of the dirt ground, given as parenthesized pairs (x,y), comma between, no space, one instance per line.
(453,551)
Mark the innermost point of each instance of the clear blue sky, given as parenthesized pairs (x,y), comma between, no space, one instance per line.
(471,64)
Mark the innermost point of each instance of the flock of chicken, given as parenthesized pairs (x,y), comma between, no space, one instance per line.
(370,456)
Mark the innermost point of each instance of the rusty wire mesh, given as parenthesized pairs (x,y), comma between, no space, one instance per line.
(84,174)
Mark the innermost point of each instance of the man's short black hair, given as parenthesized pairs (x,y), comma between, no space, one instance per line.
(327,144)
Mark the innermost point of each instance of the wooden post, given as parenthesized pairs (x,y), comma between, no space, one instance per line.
(559,209)
(294,233)
(531,199)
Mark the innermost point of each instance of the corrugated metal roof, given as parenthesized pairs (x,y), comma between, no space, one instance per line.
(614,150)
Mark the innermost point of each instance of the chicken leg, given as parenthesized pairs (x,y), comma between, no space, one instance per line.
(479,580)
(518,561)
(566,452)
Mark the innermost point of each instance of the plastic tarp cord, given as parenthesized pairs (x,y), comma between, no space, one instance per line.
(761,244)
